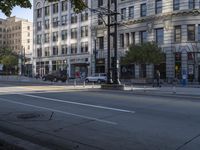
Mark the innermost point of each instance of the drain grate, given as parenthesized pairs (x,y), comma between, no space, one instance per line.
(27,116)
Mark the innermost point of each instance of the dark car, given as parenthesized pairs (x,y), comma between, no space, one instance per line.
(55,76)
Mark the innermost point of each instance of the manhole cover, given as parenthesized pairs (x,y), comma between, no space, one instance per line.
(28,116)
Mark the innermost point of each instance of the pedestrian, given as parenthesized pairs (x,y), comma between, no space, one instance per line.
(158,78)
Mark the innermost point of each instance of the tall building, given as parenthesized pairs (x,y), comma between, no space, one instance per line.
(17,34)
(173,24)
(62,38)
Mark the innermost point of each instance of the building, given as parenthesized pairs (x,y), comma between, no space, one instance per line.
(173,24)
(16,34)
(62,39)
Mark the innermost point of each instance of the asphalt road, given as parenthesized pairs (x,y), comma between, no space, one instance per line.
(99,120)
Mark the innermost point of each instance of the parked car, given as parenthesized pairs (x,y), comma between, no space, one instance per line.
(55,76)
(99,78)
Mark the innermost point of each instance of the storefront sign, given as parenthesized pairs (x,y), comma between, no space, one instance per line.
(78,60)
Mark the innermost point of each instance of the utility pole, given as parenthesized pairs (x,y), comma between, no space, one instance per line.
(115,75)
(109,79)
(95,55)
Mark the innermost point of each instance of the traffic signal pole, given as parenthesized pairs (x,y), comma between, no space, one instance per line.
(109,78)
(115,75)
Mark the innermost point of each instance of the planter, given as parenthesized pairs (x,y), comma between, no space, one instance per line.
(112,87)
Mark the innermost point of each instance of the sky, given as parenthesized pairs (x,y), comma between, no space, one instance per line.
(21,13)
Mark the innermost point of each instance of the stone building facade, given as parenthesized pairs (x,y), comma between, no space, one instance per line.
(62,39)
(17,34)
(173,24)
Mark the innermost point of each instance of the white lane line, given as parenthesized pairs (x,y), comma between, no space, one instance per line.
(60,111)
(81,104)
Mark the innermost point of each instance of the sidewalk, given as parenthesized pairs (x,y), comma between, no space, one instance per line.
(165,90)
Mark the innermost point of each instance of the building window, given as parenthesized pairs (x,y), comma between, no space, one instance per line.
(39,26)
(158,7)
(159,36)
(143,10)
(191,32)
(39,52)
(101,43)
(64,20)
(46,51)
(84,16)
(122,40)
(46,24)
(55,50)
(177,34)
(64,34)
(176,4)
(55,22)
(74,48)
(127,40)
(198,32)
(191,4)
(46,11)
(84,47)
(74,33)
(64,50)
(55,36)
(55,8)
(133,38)
(39,13)
(84,31)
(73,18)
(143,36)
(39,39)
(123,13)
(100,3)
(46,37)
(131,12)
(28,27)
(64,5)
(190,56)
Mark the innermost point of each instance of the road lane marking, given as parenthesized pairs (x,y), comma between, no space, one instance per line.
(60,111)
(77,103)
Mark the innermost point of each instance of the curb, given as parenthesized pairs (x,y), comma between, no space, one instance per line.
(146,93)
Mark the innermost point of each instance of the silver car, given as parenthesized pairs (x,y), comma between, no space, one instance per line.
(99,78)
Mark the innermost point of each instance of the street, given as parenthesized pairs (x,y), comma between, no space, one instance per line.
(90,119)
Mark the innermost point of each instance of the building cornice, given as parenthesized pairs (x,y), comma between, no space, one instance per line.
(163,16)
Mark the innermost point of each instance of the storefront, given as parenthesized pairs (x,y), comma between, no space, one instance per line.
(42,68)
(79,67)
(100,66)
(128,71)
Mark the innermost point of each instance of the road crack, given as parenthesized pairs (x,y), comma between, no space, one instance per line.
(187,142)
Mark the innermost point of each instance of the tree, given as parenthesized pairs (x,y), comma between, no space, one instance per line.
(146,53)
(9,59)
(6,6)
